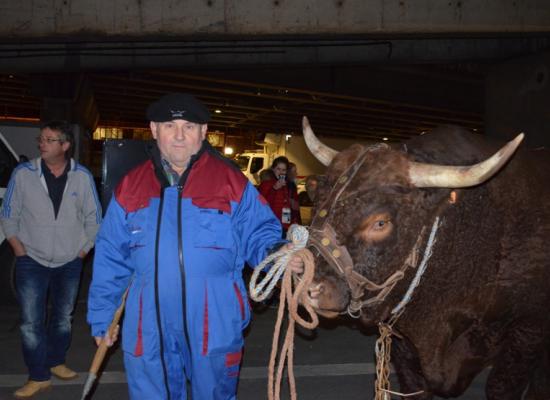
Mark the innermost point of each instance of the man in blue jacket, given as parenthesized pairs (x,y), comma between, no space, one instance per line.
(50,216)
(178,231)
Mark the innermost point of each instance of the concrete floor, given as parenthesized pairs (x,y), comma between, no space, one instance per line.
(333,362)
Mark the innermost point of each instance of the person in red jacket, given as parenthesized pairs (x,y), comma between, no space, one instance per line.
(282,198)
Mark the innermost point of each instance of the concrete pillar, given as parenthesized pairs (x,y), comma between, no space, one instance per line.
(518,100)
(69,97)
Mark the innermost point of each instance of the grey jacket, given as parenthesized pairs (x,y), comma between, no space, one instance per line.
(27,213)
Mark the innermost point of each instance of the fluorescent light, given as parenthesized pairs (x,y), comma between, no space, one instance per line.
(218,111)
(228,151)
(384,138)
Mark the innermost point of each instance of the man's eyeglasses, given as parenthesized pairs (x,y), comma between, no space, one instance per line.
(41,139)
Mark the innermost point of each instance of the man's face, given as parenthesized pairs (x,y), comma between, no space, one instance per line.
(311,187)
(178,140)
(50,145)
(292,172)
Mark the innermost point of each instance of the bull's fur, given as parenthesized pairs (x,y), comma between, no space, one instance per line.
(484,299)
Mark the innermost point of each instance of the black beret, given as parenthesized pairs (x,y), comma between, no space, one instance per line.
(178,106)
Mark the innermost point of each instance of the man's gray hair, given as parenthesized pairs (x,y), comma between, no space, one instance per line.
(65,133)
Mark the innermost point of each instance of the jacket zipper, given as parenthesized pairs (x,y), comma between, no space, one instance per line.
(182,271)
(157,301)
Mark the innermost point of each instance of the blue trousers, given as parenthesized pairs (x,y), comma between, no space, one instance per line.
(46,341)
(214,377)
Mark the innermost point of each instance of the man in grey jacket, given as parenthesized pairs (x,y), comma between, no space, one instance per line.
(50,215)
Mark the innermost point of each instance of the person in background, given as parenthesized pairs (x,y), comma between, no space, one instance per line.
(307,197)
(266,174)
(50,215)
(292,175)
(178,232)
(282,199)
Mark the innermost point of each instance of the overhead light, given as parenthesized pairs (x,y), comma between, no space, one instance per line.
(287,137)
(228,151)
(218,111)
(384,138)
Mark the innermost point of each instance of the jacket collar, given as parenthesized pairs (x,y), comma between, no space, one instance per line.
(37,165)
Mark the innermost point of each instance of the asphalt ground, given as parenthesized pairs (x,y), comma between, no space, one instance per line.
(335,361)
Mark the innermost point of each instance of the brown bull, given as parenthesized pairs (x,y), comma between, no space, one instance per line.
(483,299)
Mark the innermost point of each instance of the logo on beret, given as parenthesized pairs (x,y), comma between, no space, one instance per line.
(177,113)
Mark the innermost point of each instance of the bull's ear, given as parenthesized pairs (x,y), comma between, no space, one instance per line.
(449,176)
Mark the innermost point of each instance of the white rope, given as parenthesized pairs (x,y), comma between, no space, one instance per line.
(420,271)
(298,235)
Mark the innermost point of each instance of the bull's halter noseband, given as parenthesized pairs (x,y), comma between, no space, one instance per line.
(322,237)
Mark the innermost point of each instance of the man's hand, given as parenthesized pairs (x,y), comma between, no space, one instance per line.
(17,246)
(296,264)
(82,254)
(109,340)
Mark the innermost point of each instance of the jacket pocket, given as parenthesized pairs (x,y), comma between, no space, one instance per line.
(132,328)
(139,236)
(213,229)
(240,300)
(223,316)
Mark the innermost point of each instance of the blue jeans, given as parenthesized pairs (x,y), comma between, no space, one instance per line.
(45,343)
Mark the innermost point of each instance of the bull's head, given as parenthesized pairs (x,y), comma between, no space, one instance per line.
(370,222)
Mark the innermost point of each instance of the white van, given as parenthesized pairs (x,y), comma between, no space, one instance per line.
(251,163)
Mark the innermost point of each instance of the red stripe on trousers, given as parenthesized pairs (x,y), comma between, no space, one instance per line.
(205,324)
(138,351)
(240,298)
(232,359)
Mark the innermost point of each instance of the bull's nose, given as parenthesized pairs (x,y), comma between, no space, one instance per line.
(315,290)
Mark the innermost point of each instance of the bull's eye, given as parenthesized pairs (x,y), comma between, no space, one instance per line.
(380,224)
(376,227)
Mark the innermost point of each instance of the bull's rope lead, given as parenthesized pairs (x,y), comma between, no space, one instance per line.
(298,235)
(382,347)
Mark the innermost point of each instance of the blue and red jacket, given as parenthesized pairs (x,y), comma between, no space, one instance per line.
(196,235)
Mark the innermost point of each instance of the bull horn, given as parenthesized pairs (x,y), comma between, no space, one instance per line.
(321,151)
(448,176)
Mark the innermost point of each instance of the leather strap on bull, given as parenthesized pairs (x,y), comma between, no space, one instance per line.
(322,238)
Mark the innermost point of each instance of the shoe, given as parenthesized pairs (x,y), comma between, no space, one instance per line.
(31,388)
(62,372)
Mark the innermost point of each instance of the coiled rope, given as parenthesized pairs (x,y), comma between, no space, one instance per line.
(382,348)
(298,235)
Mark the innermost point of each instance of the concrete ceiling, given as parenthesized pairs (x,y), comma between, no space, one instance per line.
(366,69)
(347,87)
(352,102)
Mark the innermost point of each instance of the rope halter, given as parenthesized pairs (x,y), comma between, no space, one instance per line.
(322,238)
